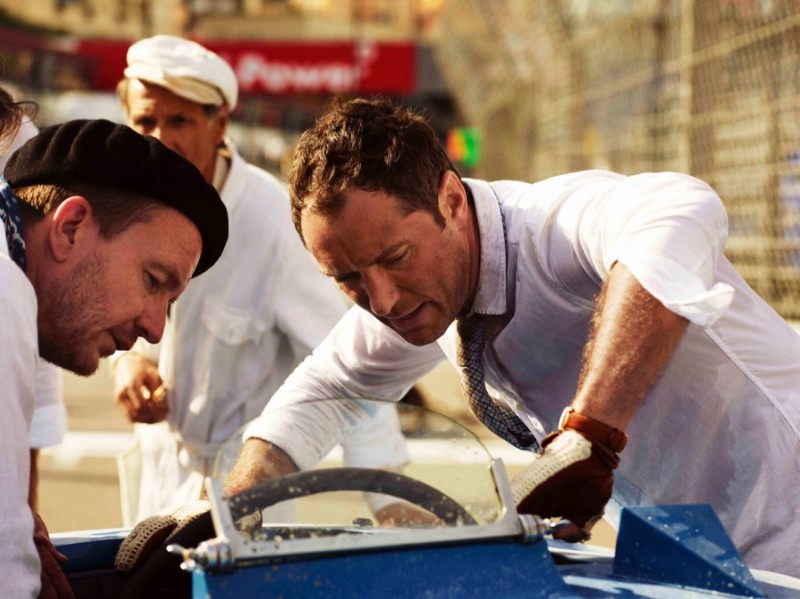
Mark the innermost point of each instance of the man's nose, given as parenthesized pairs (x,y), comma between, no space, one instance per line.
(382,292)
(152,320)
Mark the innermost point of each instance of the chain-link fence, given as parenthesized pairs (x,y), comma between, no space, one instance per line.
(707,87)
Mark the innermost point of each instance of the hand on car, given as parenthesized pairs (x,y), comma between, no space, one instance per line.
(152,532)
(573,477)
(139,390)
(54,582)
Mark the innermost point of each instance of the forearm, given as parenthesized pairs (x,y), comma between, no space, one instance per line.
(258,461)
(633,338)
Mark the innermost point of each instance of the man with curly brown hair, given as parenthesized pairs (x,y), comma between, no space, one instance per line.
(590,313)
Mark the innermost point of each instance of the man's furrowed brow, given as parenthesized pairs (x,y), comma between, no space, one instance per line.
(341,276)
(385,255)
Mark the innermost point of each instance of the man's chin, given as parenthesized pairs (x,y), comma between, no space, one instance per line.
(422,334)
(419,337)
(85,365)
(80,365)
(87,370)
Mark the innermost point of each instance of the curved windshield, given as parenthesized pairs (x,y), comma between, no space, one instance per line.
(439,476)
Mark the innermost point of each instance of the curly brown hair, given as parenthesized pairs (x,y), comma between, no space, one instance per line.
(372,145)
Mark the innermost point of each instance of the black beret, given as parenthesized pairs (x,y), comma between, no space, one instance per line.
(99,152)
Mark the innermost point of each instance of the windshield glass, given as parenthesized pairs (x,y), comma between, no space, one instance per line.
(440,478)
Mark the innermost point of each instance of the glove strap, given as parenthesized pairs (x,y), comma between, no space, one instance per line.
(592,429)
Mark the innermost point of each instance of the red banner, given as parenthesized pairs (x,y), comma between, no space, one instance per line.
(288,67)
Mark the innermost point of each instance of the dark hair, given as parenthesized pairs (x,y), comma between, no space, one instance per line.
(114,209)
(370,145)
(11,116)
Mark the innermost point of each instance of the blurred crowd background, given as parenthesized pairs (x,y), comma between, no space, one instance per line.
(518,89)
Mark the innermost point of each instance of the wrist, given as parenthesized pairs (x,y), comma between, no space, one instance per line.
(593,429)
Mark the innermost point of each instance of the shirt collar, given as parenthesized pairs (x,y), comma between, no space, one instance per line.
(490,297)
(221,168)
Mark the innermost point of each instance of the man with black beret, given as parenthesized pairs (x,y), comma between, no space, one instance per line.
(103,228)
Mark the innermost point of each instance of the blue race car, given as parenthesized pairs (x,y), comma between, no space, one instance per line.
(313,534)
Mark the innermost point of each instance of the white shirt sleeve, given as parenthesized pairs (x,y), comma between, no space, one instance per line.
(19,561)
(669,229)
(377,442)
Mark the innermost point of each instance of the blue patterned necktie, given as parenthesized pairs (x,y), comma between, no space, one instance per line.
(11,219)
(500,420)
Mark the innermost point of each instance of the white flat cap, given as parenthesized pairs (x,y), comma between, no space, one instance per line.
(185,68)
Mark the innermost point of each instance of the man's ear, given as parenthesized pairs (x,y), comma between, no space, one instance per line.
(70,223)
(452,196)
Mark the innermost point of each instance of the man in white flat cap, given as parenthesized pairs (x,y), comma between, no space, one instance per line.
(238,331)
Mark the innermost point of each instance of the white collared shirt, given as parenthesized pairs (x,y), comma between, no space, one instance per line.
(19,354)
(721,424)
(50,416)
(33,413)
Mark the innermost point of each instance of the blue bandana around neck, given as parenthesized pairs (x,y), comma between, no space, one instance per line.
(11,216)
